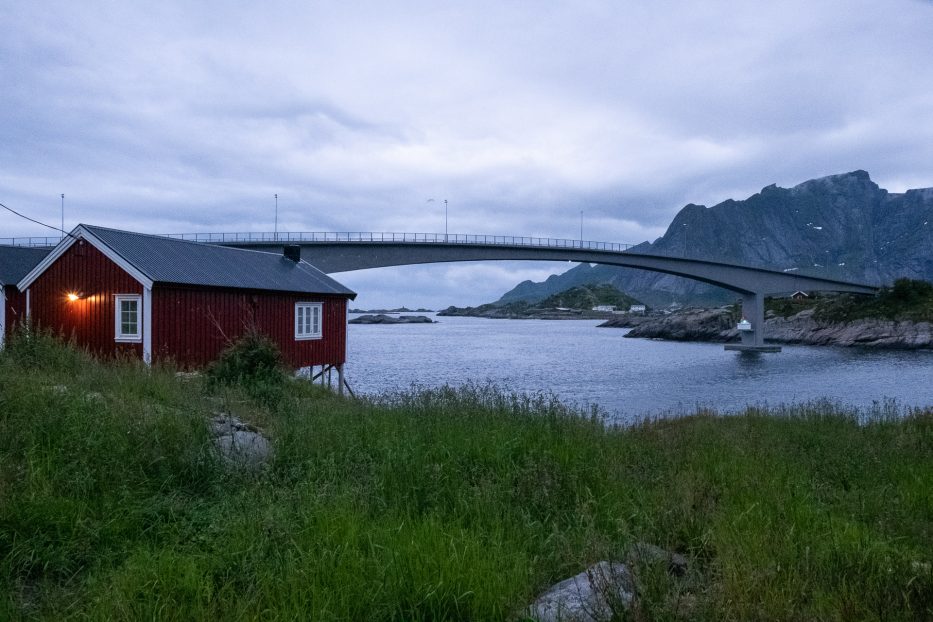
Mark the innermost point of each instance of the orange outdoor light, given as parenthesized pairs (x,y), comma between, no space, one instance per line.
(72,296)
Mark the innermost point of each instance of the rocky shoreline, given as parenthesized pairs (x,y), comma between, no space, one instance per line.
(388,319)
(505,313)
(718,325)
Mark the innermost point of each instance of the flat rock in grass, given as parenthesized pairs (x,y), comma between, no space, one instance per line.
(239,444)
(595,595)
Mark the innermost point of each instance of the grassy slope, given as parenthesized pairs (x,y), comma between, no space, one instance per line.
(905,300)
(588,296)
(440,505)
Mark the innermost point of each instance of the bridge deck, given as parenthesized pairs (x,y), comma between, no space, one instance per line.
(297,237)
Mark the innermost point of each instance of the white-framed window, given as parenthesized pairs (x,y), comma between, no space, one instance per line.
(308,320)
(128,324)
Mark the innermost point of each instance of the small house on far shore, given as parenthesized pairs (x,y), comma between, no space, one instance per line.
(799,295)
(165,299)
(15,263)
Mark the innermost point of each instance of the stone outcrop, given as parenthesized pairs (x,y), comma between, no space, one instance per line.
(388,319)
(688,325)
(605,590)
(239,444)
(718,325)
(599,593)
(803,328)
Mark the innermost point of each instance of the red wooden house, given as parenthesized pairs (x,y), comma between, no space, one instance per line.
(15,263)
(162,298)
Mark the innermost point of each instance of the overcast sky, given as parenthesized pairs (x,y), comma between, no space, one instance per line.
(162,118)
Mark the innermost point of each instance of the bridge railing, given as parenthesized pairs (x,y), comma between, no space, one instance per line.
(369,236)
(30,241)
(360,236)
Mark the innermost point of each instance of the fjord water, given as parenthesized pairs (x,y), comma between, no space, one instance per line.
(627,378)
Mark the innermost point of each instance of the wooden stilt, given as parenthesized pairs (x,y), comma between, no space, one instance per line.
(341,381)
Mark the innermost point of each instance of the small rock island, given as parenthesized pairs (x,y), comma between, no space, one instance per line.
(381,318)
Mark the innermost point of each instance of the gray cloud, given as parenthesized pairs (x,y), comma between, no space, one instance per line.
(172,117)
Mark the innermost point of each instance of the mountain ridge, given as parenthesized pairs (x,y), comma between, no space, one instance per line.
(841,226)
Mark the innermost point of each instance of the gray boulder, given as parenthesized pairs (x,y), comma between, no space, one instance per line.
(594,595)
(239,444)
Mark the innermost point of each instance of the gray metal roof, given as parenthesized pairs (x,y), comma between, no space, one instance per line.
(166,260)
(17,261)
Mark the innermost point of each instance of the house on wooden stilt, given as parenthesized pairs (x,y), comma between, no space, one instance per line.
(166,299)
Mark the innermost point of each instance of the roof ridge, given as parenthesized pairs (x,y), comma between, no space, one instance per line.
(164,259)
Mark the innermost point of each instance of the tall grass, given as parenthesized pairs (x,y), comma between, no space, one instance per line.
(440,504)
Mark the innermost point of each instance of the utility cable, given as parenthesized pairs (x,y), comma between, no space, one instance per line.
(36,221)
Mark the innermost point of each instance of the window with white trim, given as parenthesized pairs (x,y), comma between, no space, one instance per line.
(128,317)
(308,320)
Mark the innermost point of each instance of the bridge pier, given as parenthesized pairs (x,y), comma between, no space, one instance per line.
(753,310)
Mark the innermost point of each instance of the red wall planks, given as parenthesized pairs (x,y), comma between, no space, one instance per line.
(83,270)
(15,308)
(192,325)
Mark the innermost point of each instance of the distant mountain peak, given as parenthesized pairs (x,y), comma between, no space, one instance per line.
(840,226)
(854,181)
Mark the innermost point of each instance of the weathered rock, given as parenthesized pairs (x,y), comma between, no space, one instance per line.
(626,320)
(239,444)
(803,328)
(595,595)
(388,319)
(718,325)
(689,325)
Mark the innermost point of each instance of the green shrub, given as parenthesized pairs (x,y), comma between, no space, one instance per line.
(906,299)
(253,362)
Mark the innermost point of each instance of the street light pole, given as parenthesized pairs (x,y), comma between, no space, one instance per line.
(445,220)
(685,239)
(581,228)
(63,215)
(275,234)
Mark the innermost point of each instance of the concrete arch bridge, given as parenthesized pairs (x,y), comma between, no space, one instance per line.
(344,252)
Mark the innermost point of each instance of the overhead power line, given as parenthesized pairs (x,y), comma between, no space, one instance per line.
(13,211)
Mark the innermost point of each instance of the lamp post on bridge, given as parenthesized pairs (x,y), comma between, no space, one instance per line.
(275,231)
(445,220)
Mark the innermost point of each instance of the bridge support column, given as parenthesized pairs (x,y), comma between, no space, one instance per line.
(753,310)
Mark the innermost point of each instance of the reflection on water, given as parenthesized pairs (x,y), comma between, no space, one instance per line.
(629,378)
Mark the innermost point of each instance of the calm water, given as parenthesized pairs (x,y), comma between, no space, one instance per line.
(628,378)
